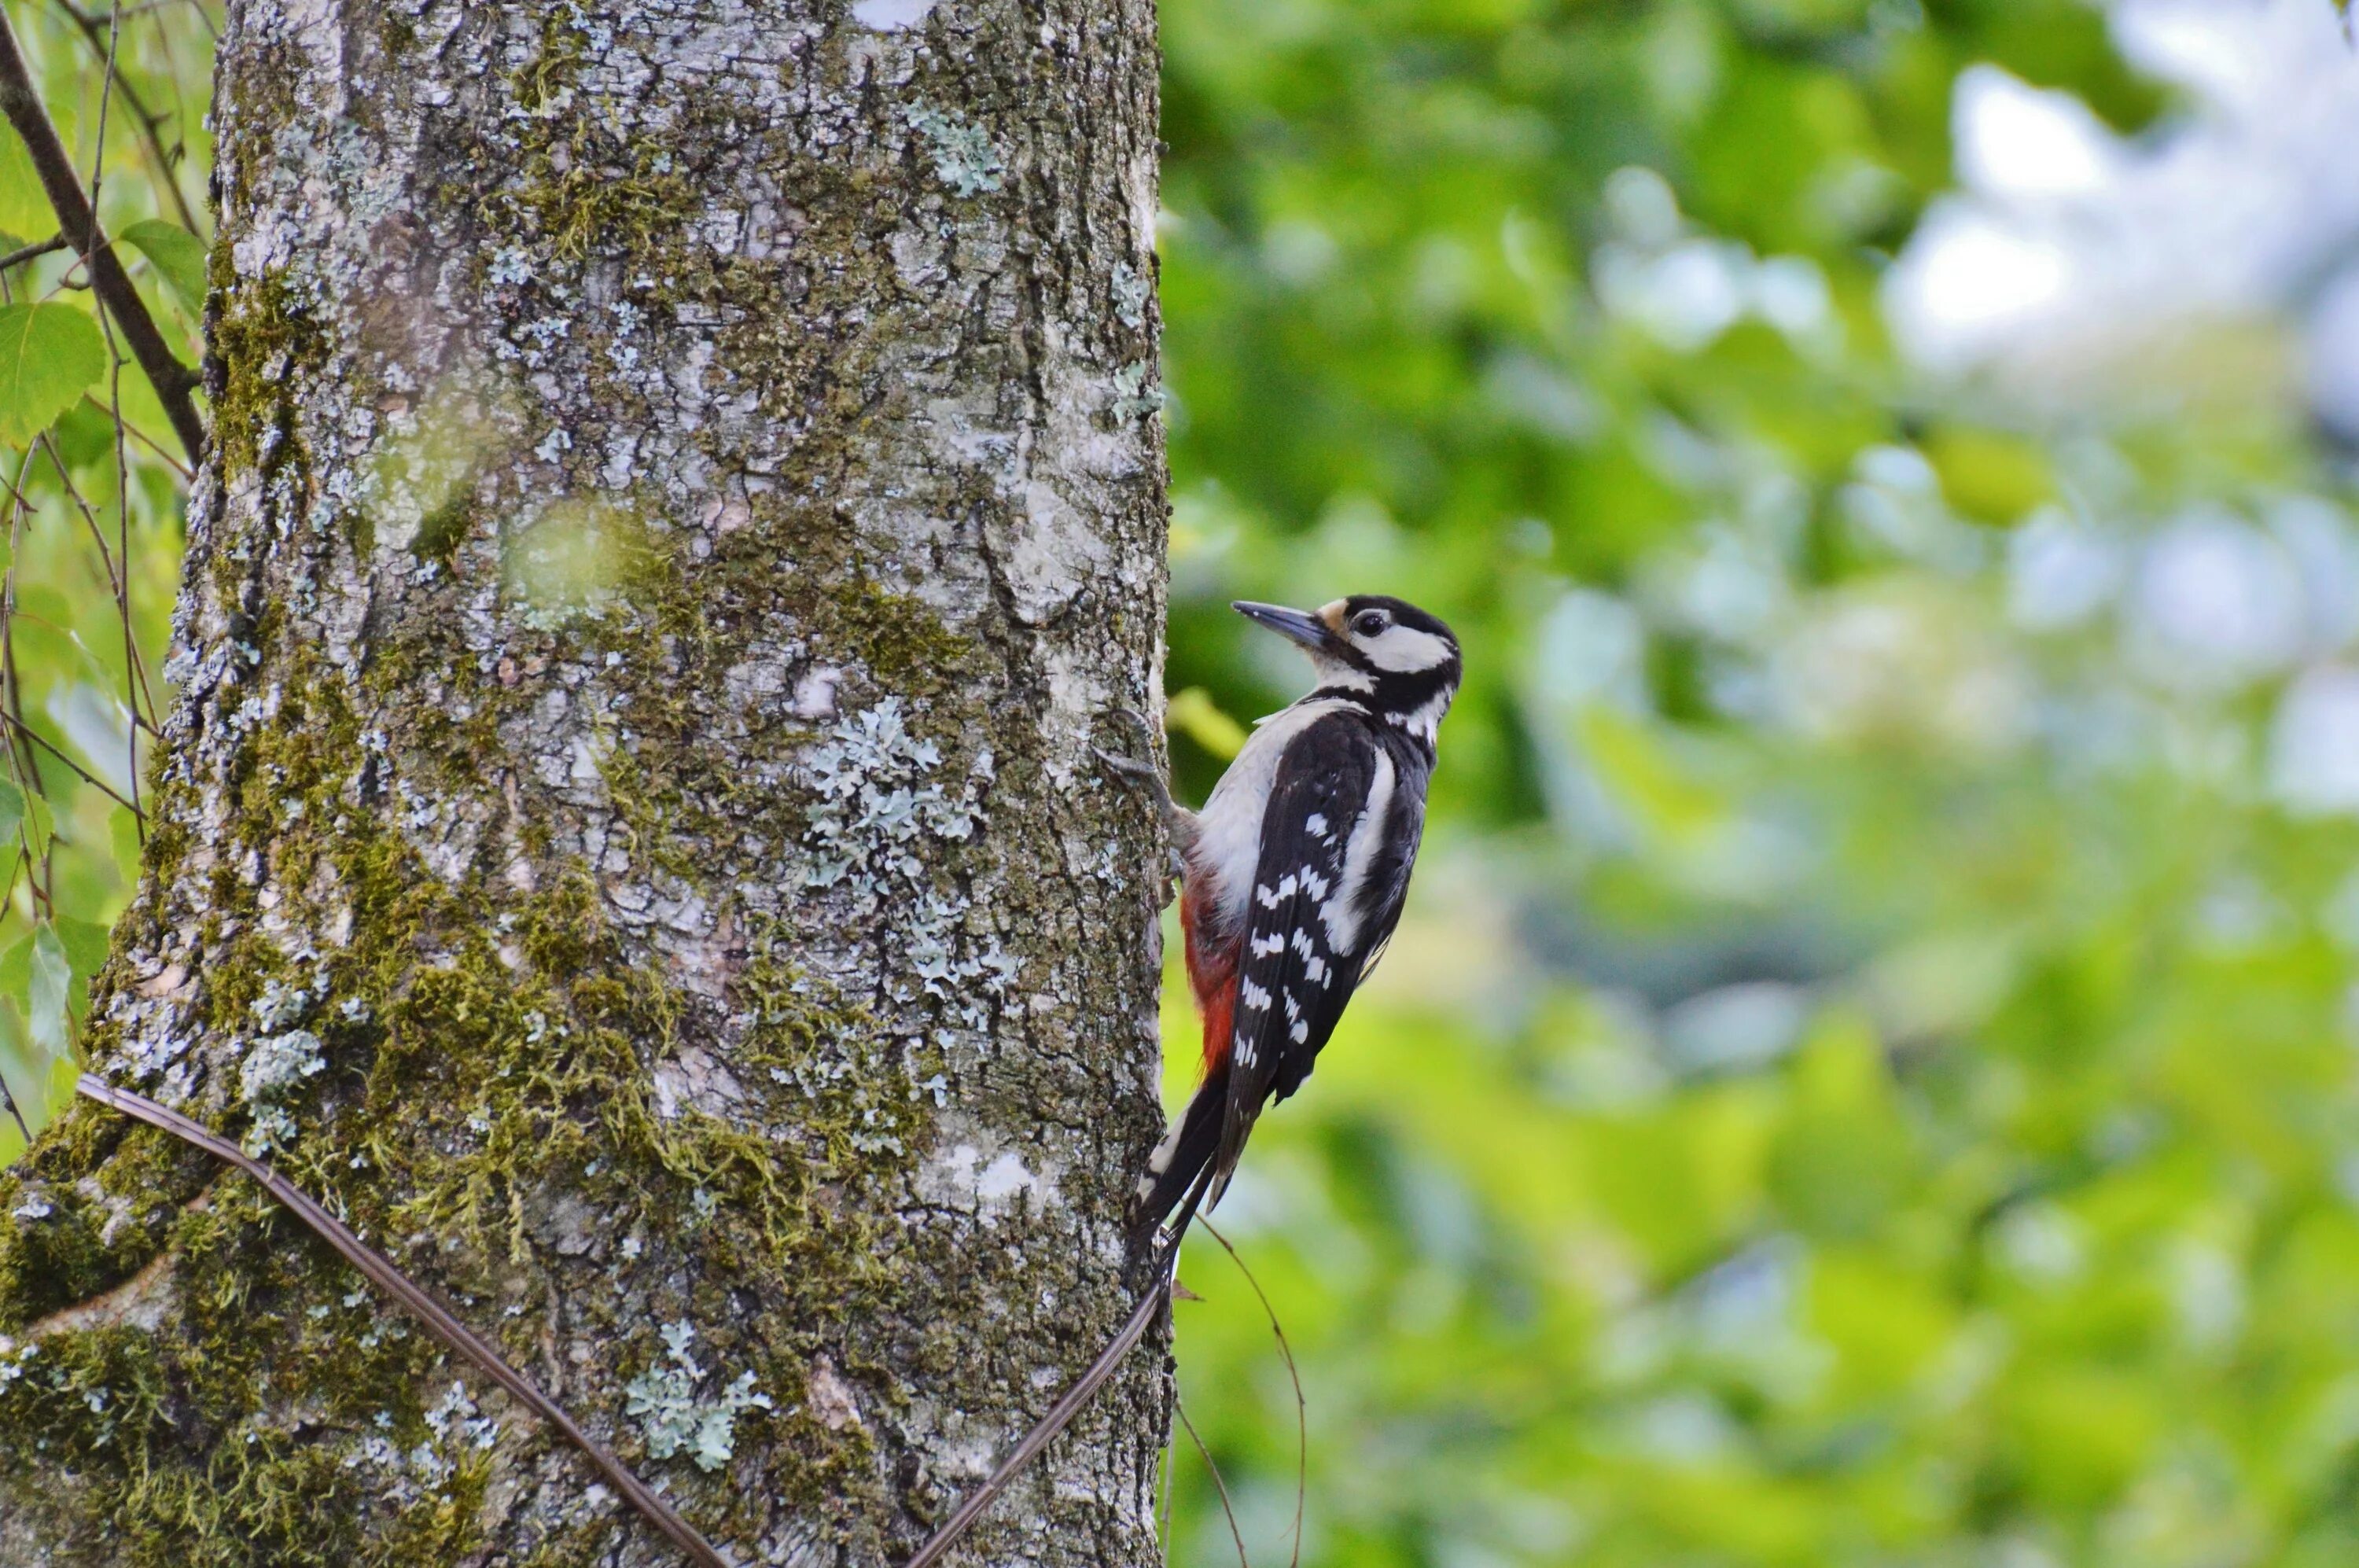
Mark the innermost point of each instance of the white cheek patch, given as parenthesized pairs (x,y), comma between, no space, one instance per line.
(1400,648)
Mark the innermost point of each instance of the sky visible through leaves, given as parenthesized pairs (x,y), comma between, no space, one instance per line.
(1868,1074)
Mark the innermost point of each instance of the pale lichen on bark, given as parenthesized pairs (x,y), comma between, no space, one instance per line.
(682,499)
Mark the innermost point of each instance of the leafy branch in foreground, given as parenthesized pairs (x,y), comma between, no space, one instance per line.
(174,382)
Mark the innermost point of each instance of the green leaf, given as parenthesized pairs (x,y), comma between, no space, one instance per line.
(24,212)
(12,809)
(53,980)
(176,253)
(85,942)
(48,354)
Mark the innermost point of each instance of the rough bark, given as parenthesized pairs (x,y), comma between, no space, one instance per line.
(685,487)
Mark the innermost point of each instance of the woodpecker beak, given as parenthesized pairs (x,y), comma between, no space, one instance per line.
(1297,625)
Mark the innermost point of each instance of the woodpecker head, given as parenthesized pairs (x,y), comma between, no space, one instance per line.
(1391,655)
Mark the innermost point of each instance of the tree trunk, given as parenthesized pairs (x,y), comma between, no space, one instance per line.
(685,488)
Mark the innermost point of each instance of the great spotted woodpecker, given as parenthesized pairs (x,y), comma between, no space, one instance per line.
(1291,882)
(1293,875)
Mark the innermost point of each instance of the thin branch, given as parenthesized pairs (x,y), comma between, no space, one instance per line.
(118,583)
(174,382)
(19,755)
(1218,1485)
(17,722)
(1170,1470)
(149,122)
(24,760)
(135,678)
(148,7)
(118,577)
(14,1114)
(31,252)
(1060,1414)
(439,1320)
(1301,1405)
(154,451)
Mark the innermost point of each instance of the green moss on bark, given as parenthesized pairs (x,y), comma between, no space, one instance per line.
(264,337)
(490,1046)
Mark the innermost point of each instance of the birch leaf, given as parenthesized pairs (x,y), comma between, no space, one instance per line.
(179,257)
(48,354)
(52,978)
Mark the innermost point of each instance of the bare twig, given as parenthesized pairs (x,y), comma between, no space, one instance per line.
(150,122)
(1171,1471)
(22,758)
(1060,1414)
(118,576)
(118,579)
(439,1320)
(1294,1373)
(154,451)
(134,676)
(174,382)
(16,723)
(1219,1486)
(32,252)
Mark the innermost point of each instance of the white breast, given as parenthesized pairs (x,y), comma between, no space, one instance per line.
(1228,839)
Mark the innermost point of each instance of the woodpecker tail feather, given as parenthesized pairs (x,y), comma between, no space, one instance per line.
(1181,1158)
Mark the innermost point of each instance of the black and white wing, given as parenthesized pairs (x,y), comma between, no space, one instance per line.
(1307,927)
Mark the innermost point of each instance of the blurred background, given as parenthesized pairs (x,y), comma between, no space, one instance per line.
(1868,1074)
(1871,1072)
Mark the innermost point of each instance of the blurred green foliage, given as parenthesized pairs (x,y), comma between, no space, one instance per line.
(93,497)
(1867,1078)
(1868,1074)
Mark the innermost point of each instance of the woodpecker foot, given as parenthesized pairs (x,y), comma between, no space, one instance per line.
(1179,823)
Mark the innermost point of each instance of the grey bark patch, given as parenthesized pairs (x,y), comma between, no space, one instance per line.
(619,402)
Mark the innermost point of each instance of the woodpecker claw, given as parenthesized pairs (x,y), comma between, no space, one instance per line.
(1178,821)
(1148,777)
(1128,766)
(1148,730)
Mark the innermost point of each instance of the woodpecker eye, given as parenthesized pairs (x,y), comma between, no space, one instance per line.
(1369,623)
